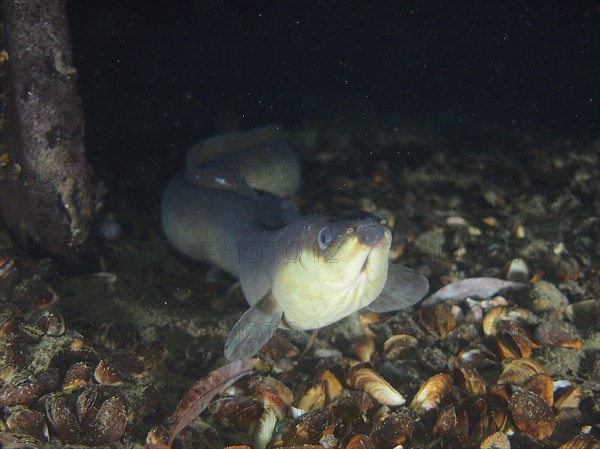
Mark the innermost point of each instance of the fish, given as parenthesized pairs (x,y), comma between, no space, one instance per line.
(228,208)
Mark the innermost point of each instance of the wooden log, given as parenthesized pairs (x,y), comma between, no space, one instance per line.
(45,197)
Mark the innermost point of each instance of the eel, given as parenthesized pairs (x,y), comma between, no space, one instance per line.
(227,208)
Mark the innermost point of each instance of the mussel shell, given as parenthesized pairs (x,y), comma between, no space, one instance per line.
(497,440)
(581,442)
(541,384)
(62,419)
(28,421)
(362,377)
(517,371)
(394,430)
(584,313)
(531,414)
(236,412)
(79,375)
(108,425)
(468,378)
(20,389)
(432,392)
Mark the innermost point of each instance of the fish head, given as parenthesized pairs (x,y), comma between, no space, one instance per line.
(330,266)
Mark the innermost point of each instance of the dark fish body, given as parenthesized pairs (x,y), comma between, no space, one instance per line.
(223,228)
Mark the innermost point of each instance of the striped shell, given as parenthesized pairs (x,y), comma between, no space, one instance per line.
(362,377)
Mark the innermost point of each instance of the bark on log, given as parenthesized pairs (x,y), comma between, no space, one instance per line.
(45,194)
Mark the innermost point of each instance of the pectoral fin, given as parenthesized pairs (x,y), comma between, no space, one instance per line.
(253,329)
(403,288)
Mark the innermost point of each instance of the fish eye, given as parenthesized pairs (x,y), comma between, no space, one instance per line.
(324,237)
(350,230)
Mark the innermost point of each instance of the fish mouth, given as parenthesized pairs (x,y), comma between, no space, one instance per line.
(373,240)
(366,269)
(365,264)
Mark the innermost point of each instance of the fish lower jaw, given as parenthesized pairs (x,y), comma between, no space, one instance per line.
(320,316)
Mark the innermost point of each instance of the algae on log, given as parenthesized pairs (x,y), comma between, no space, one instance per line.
(45,194)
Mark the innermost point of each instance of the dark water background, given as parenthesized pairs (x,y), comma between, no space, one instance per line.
(158,76)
